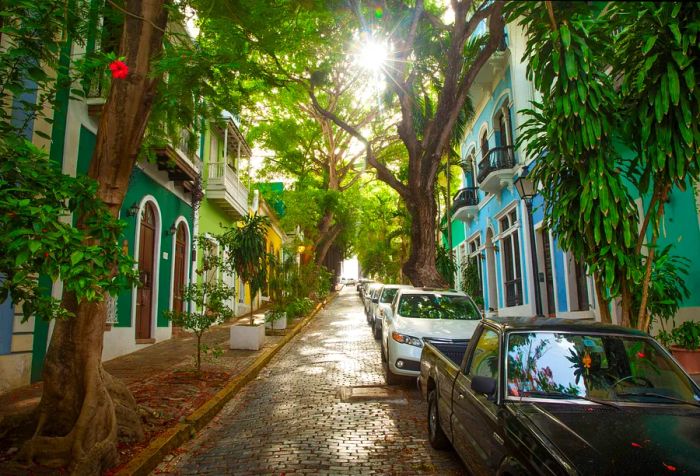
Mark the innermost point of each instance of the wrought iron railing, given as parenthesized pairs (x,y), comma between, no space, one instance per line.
(465,197)
(497,158)
(514,296)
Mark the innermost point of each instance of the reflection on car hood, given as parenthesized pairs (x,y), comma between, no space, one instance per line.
(438,328)
(648,439)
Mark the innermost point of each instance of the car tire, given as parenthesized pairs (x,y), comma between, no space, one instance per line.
(383,353)
(377,330)
(390,377)
(436,436)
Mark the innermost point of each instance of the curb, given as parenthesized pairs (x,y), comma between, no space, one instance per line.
(147,460)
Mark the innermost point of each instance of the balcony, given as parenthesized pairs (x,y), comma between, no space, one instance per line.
(496,170)
(465,204)
(181,163)
(492,71)
(226,190)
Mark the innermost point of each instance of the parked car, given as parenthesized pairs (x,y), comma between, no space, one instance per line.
(382,307)
(418,314)
(550,396)
(367,295)
(361,285)
(372,302)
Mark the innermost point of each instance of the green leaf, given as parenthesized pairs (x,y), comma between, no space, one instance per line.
(570,63)
(673,83)
(689,76)
(21,258)
(34,246)
(565,35)
(75,257)
(676,32)
(649,44)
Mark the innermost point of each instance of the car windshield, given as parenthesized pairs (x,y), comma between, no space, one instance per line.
(603,367)
(438,306)
(388,295)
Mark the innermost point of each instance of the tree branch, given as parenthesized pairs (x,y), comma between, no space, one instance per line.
(383,172)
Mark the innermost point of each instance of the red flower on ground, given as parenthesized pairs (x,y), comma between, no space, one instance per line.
(119,69)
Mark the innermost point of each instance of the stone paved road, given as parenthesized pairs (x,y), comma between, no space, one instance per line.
(290,420)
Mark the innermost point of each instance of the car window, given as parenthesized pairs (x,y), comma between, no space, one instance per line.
(438,306)
(388,295)
(484,360)
(608,367)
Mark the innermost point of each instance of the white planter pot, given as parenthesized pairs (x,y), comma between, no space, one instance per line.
(277,324)
(247,337)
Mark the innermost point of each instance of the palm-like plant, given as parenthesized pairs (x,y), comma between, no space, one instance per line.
(245,243)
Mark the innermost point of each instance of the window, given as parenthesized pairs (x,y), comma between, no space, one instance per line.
(578,284)
(484,143)
(608,367)
(484,361)
(510,251)
(505,138)
(438,306)
(388,295)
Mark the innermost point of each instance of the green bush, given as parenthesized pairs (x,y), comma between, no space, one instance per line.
(687,335)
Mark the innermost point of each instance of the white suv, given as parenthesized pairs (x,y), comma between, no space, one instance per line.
(420,313)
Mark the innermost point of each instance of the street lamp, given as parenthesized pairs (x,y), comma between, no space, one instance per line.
(526,189)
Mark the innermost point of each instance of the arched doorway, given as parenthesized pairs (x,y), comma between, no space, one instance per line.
(146,263)
(491,271)
(179,272)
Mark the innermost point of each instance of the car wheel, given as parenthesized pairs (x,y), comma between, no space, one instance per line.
(390,377)
(436,436)
(383,352)
(377,329)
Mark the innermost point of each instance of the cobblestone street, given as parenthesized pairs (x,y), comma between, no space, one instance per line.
(291,419)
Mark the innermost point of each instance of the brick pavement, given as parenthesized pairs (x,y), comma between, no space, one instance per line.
(290,420)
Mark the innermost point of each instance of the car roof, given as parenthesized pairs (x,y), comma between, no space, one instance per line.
(375,285)
(397,286)
(554,324)
(448,292)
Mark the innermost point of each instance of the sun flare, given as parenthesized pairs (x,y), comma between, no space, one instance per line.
(372,55)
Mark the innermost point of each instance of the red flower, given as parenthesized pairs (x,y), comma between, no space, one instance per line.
(119,69)
(636,445)
(640,355)
(668,466)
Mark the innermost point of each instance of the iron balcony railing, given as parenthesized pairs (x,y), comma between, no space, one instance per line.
(465,197)
(497,158)
(514,296)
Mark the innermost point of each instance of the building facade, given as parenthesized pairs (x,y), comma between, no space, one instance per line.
(490,223)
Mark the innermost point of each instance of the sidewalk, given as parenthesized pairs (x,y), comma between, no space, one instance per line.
(162,379)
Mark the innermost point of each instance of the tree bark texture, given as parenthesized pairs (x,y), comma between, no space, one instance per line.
(83,409)
(420,266)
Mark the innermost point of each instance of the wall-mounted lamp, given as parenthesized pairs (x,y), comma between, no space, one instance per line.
(133,210)
(172,230)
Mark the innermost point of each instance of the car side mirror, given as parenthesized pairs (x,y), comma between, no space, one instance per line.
(484,385)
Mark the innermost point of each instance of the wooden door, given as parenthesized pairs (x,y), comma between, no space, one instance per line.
(144,294)
(179,278)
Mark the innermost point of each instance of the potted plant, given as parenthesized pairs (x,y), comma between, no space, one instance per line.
(279,290)
(245,243)
(685,345)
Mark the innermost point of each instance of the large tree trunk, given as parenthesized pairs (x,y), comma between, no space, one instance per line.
(83,409)
(420,266)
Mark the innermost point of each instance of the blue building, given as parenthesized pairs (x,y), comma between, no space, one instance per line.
(490,223)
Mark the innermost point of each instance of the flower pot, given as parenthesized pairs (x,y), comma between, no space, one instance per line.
(247,337)
(689,359)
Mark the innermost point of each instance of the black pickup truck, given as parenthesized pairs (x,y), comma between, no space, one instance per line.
(550,396)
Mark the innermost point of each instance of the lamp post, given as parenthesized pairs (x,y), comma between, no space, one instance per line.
(526,189)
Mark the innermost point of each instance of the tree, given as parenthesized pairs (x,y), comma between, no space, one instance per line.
(317,154)
(245,244)
(584,179)
(209,298)
(432,70)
